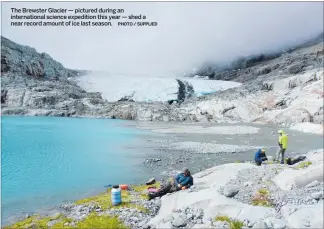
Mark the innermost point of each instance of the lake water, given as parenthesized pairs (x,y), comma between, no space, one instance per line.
(47,160)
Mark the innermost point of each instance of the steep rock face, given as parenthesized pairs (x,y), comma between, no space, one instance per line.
(185,90)
(26,61)
(287,64)
(282,62)
(35,84)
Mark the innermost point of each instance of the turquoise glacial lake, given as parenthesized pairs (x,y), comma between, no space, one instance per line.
(47,161)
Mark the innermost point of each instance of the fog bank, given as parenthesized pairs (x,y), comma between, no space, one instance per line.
(188,33)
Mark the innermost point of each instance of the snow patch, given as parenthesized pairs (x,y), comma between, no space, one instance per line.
(147,89)
(308,127)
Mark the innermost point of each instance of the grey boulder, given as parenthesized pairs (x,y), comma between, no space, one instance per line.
(231,190)
(179,220)
(317,195)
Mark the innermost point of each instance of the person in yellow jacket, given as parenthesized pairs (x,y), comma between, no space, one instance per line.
(283,140)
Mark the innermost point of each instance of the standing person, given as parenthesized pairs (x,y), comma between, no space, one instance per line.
(260,156)
(282,141)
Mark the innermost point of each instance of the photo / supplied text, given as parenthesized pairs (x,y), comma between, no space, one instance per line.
(78,17)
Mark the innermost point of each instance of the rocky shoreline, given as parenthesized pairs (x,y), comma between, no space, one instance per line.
(249,196)
(235,195)
(135,216)
(135,212)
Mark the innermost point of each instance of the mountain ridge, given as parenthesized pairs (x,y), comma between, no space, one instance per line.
(287,90)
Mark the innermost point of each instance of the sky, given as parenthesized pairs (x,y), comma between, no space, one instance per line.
(187,34)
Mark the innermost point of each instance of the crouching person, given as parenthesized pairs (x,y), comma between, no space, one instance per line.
(181,181)
(260,156)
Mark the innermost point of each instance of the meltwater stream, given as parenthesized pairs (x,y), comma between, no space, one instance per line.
(47,160)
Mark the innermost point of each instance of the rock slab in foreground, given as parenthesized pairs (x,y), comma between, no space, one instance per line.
(240,182)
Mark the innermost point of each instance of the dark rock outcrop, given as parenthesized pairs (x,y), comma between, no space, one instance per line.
(127,98)
(227,109)
(185,91)
(3,96)
(26,61)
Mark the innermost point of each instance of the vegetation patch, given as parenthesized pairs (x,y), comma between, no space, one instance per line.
(95,221)
(303,165)
(261,198)
(263,191)
(104,201)
(237,161)
(63,221)
(92,221)
(235,224)
(33,222)
(223,218)
(232,223)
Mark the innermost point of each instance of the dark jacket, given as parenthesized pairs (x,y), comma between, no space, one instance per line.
(183,180)
(259,156)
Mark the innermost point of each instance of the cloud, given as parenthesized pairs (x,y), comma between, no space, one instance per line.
(187,34)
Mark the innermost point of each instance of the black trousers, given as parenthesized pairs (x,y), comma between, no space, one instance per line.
(166,188)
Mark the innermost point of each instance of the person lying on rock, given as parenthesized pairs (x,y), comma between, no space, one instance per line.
(182,181)
(260,156)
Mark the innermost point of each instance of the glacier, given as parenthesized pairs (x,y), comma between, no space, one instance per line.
(147,89)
